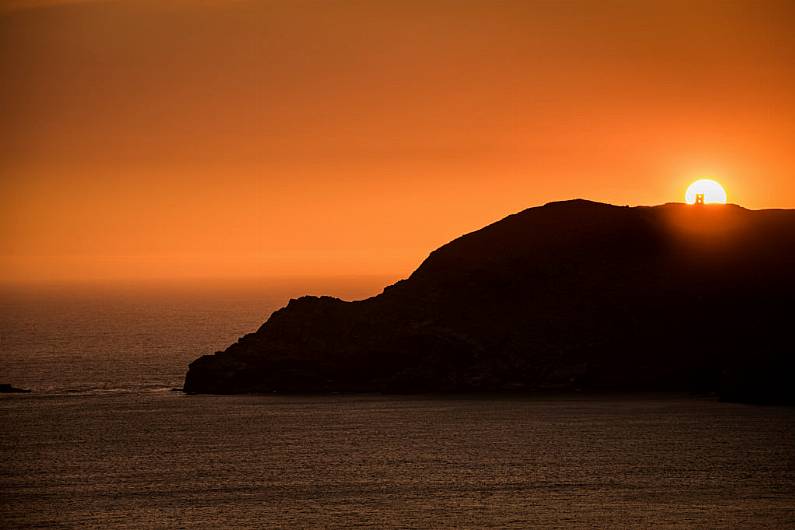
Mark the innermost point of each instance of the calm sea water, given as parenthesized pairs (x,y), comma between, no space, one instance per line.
(103,442)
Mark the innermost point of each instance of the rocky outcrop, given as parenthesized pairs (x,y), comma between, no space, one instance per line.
(569,295)
(10,389)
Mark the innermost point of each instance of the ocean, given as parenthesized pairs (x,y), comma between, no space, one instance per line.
(104,441)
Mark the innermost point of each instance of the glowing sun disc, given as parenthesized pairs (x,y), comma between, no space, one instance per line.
(713,192)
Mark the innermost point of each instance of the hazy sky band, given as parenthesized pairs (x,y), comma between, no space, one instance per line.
(146,139)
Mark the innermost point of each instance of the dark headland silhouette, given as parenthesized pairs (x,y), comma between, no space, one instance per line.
(567,296)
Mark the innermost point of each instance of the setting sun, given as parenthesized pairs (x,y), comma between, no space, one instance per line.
(712,191)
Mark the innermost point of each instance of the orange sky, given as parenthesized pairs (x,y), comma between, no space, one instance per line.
(276,138)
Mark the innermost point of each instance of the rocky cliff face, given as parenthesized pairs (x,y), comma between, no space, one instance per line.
(569,295)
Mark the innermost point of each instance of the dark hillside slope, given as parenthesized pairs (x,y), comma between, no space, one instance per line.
(569,295)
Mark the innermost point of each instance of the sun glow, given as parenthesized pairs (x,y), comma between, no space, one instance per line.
(712,192)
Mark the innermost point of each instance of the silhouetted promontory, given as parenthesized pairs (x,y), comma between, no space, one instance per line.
(567,296)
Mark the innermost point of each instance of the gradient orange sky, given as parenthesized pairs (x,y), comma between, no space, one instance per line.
(190,139)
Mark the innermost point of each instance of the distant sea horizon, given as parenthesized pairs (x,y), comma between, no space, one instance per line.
(75,335)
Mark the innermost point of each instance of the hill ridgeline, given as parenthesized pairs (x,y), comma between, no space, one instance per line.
(573,295)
